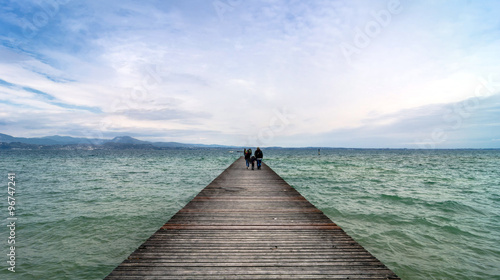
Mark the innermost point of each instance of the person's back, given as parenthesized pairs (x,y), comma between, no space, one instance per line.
(248,154)
(252,160)
(259,155)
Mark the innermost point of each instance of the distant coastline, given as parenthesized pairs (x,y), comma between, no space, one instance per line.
(56,142)
(8,142)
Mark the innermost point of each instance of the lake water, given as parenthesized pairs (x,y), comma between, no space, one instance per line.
(425,214)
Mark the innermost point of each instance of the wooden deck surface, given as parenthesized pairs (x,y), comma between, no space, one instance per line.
(250,224)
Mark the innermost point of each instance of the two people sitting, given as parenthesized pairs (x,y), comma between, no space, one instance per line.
(251,159)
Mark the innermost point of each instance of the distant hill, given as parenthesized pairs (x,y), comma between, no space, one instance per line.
(6,138)
(36,141)
(124,142)
(128,140)
(67,140)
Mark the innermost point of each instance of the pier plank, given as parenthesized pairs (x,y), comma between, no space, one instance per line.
(250,224)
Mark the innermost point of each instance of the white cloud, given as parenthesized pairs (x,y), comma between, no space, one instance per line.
(228,72)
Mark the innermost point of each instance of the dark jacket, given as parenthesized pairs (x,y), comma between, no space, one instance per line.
(248,154)
(258,154)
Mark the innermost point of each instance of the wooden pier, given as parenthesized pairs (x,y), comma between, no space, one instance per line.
(250,224)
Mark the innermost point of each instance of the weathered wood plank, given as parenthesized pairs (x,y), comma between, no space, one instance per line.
(250,225)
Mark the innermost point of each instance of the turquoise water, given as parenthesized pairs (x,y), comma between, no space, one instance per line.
(425,214)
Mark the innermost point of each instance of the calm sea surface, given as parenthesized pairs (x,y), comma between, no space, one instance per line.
(425,214)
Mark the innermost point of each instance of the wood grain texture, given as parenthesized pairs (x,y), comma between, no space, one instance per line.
(250,224)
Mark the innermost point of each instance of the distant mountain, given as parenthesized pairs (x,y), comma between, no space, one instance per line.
(36,141)
(18,145)
(119,142)
(128,140)
(6,138)
(67,140)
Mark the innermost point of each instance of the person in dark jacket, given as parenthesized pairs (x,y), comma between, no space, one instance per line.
(252,159)
(259,155)
(248,154)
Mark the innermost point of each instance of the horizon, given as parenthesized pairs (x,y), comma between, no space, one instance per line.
(219,146)
(357,74)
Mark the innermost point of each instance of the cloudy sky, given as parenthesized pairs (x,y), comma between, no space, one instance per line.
(388,73)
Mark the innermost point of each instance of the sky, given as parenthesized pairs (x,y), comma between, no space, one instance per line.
(322,73)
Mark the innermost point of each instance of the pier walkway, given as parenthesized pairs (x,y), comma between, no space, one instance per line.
(250,224)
